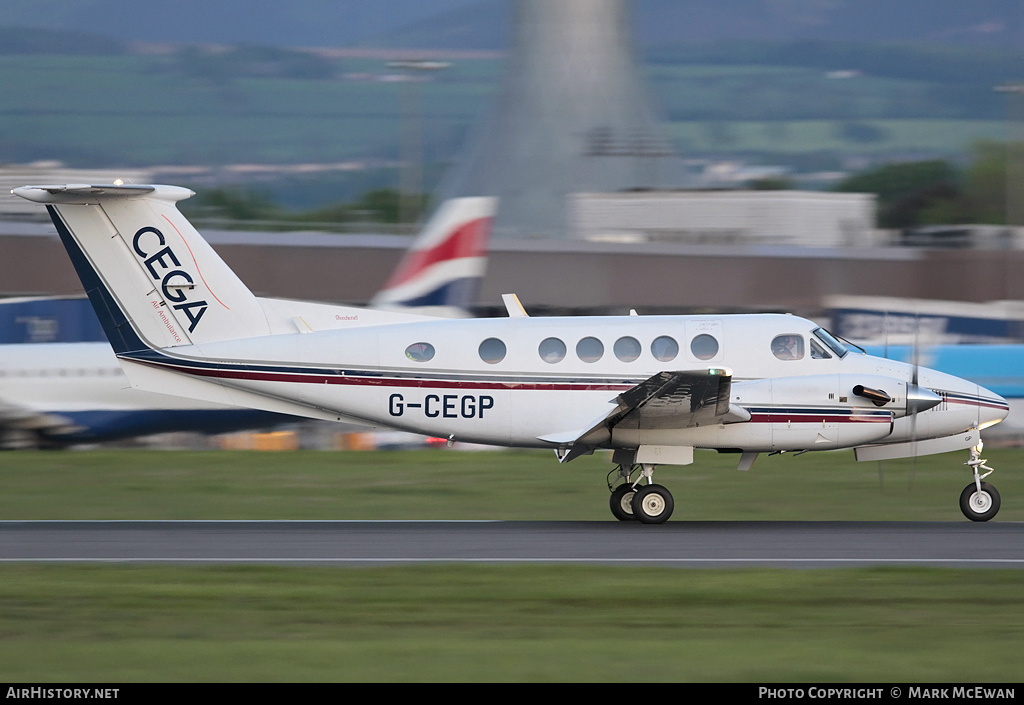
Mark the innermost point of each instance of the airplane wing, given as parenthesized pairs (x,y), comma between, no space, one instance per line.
(680,399)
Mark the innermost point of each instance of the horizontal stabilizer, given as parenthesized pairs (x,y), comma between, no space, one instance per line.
(84,194)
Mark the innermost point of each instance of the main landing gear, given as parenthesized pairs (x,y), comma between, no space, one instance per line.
(631,501)
(979,501)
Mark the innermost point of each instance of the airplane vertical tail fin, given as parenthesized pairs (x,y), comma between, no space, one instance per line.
(153,280)
(443,269)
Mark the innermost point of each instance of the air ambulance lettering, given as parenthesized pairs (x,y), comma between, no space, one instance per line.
(446,406)
(175,283)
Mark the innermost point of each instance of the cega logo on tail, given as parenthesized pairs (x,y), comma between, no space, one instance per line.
(164,266)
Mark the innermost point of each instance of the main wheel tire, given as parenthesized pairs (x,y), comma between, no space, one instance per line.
(621,502)
(979,506)
(653,504)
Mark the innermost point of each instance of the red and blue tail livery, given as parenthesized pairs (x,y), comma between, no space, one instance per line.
(441,273)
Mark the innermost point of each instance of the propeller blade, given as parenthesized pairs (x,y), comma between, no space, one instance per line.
(916,360)
(917,399)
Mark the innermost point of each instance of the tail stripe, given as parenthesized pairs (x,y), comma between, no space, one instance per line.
(193,256)
(122,335)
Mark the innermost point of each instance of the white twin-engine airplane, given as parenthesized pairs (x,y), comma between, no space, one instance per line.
(651,389)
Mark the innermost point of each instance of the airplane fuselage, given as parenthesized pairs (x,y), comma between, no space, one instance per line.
(524,381)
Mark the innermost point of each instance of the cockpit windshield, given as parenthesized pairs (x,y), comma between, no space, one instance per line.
(832,342)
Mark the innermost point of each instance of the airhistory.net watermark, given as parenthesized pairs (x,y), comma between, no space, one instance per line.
(52,693)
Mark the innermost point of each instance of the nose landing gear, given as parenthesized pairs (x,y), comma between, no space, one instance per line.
(979,501)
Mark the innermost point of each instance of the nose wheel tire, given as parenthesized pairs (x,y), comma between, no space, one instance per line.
(979,506)
(621,502)
(652,504)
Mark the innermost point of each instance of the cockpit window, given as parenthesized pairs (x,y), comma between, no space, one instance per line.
(788,347)
(818,351)
(832,342)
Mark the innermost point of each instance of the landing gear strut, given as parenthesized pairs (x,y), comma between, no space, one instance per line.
(648,504)
(979,501)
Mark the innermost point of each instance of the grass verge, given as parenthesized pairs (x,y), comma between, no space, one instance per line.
(509,485)
(522,623)
(117,623)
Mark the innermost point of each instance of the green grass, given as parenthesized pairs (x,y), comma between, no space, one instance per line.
(136,110)
(801,137)
(123,623)
(510,485)
(525,623)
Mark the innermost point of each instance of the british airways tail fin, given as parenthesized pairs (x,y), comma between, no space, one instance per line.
(442,271)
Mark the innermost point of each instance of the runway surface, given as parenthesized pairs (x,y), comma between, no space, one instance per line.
(681,544)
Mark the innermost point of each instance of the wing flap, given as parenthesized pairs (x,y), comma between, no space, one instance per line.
(680,399)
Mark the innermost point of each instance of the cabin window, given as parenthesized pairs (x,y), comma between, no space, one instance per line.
(492,351)
(627,349)
(664,348)
(589,349)
(704,346)
(420,352)
(552,350)
(788,347)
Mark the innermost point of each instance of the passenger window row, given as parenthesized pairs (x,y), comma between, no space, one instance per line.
(553,350)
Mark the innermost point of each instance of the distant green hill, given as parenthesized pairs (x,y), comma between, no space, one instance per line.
(451,24)
(809,104)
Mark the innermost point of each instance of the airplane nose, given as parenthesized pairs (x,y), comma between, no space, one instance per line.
(992,408)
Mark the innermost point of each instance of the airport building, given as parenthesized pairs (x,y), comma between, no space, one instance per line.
(724,217)
(553,276)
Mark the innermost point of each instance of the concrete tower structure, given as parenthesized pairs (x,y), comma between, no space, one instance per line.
(572,115)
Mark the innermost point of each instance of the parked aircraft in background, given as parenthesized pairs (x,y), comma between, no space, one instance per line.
(441,273)
(651,389)
(61,393)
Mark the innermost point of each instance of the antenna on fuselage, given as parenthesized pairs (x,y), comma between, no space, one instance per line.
(514,306)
